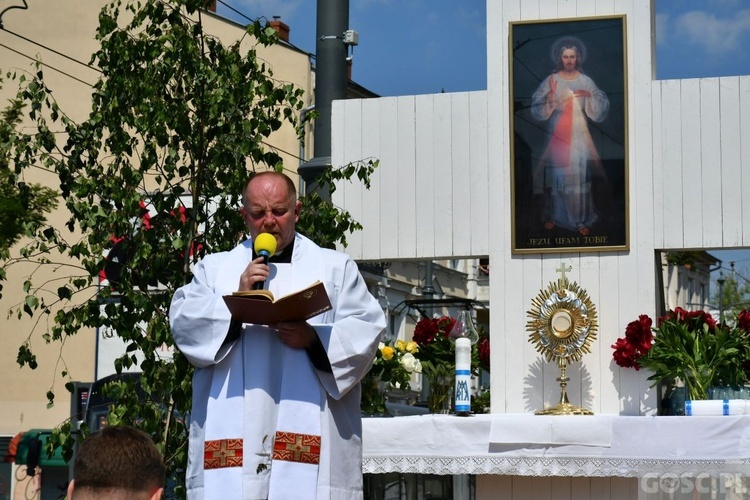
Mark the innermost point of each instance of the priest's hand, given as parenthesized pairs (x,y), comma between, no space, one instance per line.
(255,272)
(296,334)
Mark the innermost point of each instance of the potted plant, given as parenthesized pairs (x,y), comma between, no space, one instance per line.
(689,346)
(393,366)
(438,356)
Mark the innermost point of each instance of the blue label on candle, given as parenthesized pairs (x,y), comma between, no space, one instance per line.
(463,395)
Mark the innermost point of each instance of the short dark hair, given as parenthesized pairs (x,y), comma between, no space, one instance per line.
(272,173)
(118,458)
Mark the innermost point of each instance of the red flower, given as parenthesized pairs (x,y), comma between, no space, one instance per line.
(425,331)
(743,321)
(428,329)
(625,354)
(639,335)
(638,340)
(694,319)
(483,346)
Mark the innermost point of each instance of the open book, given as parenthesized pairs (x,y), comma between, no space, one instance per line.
(260,307)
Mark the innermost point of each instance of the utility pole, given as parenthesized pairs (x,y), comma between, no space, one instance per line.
(330,83)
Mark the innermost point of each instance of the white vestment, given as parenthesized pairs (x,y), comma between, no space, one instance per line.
(243,377)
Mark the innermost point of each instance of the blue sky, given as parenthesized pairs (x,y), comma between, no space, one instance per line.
(409,47)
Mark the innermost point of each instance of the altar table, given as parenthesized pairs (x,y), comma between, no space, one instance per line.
(573,446)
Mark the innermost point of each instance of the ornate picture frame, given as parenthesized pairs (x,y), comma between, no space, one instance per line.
(568,135)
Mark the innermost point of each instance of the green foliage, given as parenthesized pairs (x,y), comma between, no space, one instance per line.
(177,122)
(22,205)
(691,347)
(686,258)
(734,297)
(320,220)
(392,369)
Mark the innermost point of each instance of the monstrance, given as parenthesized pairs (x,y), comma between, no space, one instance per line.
(562,328)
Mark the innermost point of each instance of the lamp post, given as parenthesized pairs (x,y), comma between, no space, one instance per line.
(721,281)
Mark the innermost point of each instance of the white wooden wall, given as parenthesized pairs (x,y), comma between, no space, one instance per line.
(443,189)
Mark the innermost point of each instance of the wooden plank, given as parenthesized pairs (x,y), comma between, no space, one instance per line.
(561,488)
(516,351)
(657,178)
(692,216)
(523,487)
(580,489)
(425,174)
(502,273)
(346,147)
(541,488)
(390,190)
(530,9)
(607,388)
(639,44)
(585,8)
(537,375)
(604,8)
(710,118)
(745,156)
(492,487)
(370,218)
(406,177)
(635,296)
(590,372)
(441,171)
(547,9)
(731,170)
(567,8)
(460,178)
(600,487)
(353,192)
(479,174)
(671,167)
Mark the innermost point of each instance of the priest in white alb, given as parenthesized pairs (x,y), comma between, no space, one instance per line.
(276,408)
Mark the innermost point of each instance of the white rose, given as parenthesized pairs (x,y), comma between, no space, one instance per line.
(410,363)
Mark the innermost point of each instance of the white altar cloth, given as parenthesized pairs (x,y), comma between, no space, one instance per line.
(533,445)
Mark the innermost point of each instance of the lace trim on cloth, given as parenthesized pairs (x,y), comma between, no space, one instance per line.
(550,466)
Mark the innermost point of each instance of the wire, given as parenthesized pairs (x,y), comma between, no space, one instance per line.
(244,16)
(235,11)
(47,65)
(70,58)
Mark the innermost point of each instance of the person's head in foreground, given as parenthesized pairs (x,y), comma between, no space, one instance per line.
(117,463)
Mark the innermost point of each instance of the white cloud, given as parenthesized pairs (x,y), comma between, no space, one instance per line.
(662,28)
(712,33)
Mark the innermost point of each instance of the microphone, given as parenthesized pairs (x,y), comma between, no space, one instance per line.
(265,246)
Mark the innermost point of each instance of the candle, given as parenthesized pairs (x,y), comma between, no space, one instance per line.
(463,376)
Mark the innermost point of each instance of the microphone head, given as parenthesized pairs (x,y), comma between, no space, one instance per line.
(265,244)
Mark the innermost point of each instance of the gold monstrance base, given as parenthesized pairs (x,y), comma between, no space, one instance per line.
(564,407)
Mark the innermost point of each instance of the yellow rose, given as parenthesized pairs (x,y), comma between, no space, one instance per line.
(387,353)
(400,345)
(412,347)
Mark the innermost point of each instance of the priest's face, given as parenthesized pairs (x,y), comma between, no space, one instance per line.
(269,207)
